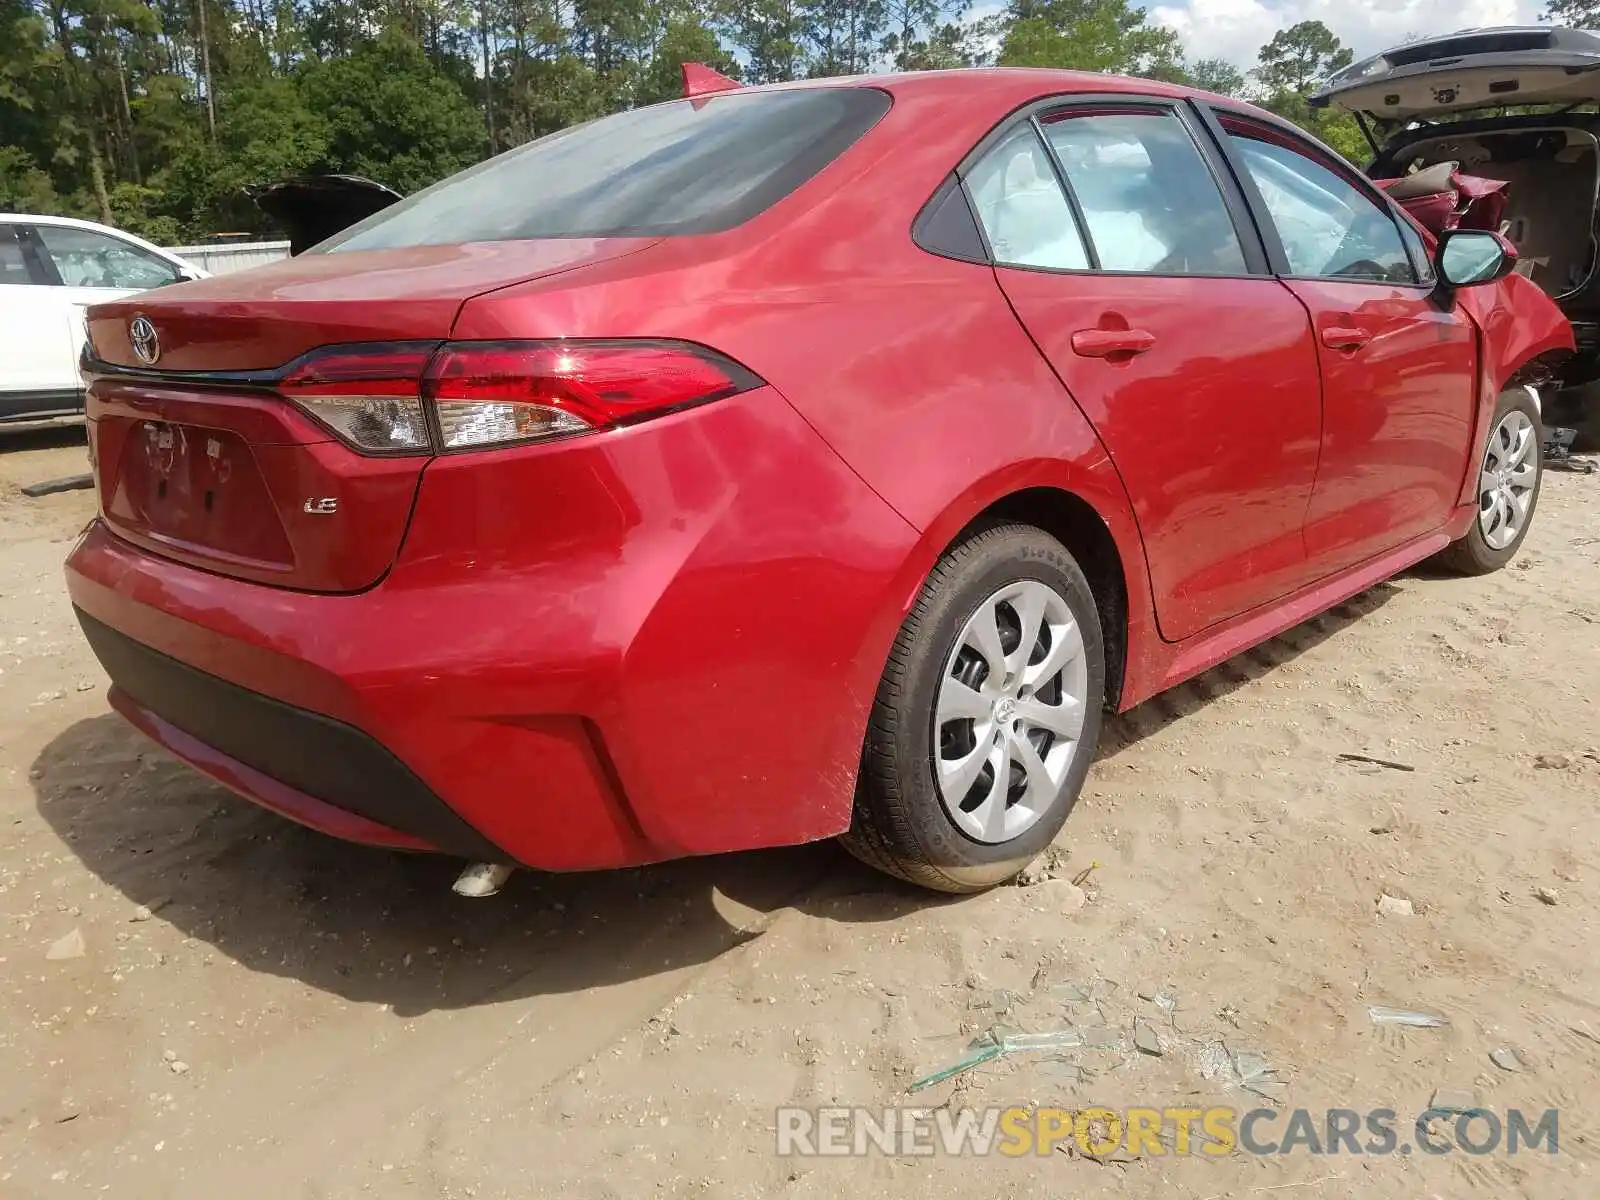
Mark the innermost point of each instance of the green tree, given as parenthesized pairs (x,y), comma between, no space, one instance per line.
(684,39)
(1087,35)
(1216,75)
(939,48)
(24,186)
(926,35)
(1334,126)
(1574,14)
(769,34)
(391,115)
(842,36)
(1290,67)
(1300,57)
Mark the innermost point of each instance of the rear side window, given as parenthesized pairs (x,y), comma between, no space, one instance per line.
(1023,211)
(1146,195)
(13,270)
(90,259)
(685,167)
(1145,200)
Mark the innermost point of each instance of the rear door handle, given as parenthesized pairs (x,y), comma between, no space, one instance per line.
(1103,343)
(1344,337)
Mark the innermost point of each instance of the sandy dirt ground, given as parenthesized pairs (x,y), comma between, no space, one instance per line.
(260,1011)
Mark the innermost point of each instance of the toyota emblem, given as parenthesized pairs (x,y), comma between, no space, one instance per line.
(142,333)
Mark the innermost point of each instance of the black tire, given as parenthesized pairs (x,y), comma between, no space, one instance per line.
(900,825)
(1472,554)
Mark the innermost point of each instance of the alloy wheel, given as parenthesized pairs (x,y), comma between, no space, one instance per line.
(1507,480)
(1010,711)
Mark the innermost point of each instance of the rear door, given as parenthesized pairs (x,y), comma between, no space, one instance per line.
(1398,365)
(1130,259)
(39,373)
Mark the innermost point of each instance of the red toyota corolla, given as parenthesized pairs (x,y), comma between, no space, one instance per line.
(788,462)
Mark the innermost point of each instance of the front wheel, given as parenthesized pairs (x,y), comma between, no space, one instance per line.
(1509,475)
(986,719)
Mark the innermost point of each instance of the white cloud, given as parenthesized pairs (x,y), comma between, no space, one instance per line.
(1237,29)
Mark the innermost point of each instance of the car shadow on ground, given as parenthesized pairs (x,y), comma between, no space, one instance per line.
(378,927)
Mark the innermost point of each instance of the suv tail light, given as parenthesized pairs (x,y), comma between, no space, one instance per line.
(414,398)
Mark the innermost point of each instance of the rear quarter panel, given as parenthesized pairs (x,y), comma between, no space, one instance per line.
(912,368)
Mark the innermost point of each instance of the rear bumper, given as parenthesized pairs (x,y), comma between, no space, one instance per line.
(315,770)
(660,642)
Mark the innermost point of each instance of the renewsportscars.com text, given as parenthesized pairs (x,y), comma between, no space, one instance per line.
(1213,1131)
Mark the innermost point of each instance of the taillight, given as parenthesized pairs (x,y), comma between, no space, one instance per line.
(488,393)
(380,398)
(368,395)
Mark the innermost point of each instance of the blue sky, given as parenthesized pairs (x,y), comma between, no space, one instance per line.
(1235,29)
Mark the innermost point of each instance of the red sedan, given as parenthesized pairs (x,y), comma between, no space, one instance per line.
(785,463)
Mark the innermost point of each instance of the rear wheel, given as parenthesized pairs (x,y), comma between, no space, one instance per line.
(986,720)
(1509,474)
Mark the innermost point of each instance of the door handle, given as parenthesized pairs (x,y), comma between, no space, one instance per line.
(1104,343)
(1344,337)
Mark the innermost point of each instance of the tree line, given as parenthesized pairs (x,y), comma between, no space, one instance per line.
(157,115)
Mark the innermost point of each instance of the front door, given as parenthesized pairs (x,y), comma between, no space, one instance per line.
(1398,367)
(1121,256)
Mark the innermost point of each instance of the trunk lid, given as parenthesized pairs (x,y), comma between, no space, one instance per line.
(197,455)
(1473,69)
(262,318)
(312,208)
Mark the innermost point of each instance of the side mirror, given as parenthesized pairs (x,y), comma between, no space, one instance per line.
(1472,256)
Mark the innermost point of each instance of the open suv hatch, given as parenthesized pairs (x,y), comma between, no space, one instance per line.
(1520,104)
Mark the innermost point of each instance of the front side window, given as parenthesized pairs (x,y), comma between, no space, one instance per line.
(1147,196)
(86,258)
(1329,228)
(1020,204)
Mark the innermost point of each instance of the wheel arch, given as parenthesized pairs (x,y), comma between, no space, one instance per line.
(1084,508)
(1073,522)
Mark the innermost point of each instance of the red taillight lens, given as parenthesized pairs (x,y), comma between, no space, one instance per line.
(378,398)
(487,393)
(368,395)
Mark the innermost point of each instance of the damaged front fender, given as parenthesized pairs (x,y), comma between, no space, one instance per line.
(1520,328)
(1519,324)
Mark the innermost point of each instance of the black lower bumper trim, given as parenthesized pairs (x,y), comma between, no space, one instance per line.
(316,755)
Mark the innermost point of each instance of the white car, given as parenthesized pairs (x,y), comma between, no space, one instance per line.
(51,269)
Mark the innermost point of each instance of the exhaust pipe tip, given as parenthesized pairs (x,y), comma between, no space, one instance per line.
(481,879)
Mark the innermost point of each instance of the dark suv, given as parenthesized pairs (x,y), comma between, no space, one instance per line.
(1520,104)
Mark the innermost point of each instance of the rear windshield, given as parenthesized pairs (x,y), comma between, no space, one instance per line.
(688,166)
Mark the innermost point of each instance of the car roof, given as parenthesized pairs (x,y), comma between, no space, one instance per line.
(76,222)
(1471,68)
(992,81)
